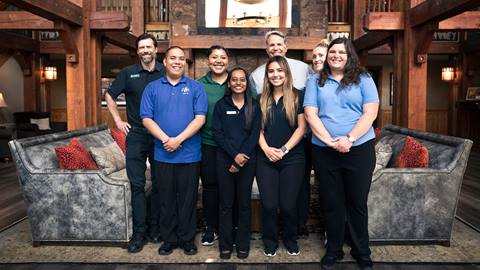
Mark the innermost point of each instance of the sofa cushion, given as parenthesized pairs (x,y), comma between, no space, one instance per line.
(74,156)
(43,123)
(413,155)
(109,158)
(119,138)
(121,175)
(383,153)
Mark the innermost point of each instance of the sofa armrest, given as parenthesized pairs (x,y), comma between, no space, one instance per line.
(26,127)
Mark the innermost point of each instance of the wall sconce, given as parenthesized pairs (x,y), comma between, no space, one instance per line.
(50,73)
(448,74)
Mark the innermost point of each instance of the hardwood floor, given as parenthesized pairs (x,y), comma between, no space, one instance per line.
(468,208)
(12,207)
(304,266)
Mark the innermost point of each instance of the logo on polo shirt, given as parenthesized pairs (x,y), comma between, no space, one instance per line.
(185,90)
(135,76)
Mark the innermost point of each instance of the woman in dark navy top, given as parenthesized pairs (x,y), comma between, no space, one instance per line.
(281,160)
(236,128)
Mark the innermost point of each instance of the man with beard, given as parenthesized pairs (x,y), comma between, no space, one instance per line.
(131,81)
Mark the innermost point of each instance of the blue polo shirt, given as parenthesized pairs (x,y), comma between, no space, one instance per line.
(173,107)
(340,109)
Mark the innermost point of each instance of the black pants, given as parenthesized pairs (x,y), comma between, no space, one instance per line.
(209,186)
(303,201)
(234,186)
(279,183)
(179,184)
(344,181)
(140,147)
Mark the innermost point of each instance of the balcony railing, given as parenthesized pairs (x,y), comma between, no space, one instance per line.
(116,5)
(156,11)
(338,11)
(382,5)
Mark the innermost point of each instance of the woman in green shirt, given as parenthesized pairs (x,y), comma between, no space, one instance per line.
(215,83)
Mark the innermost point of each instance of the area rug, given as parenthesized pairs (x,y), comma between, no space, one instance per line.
(16,247)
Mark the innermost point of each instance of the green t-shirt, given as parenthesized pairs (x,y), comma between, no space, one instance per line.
(215,92)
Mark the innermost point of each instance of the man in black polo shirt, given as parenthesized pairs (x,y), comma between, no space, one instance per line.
(132,81)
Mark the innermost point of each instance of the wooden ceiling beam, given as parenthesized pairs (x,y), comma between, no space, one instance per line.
(66,35)
(52,9)
(469,20)
(99,20)
(18,42)
(52,47)
(372,39)
(123,40)
(239,42)
(439,10)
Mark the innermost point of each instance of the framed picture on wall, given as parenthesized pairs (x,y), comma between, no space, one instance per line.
(105,84)
(473,93)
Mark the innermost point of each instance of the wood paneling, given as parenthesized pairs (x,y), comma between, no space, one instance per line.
(60,115)
(437,120)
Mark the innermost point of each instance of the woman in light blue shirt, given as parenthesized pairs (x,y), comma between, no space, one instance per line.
(341,103)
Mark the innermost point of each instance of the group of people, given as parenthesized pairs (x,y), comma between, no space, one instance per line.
(230,127)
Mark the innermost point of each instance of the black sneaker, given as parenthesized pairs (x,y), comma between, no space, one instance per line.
(189,248)
(154,235)
(225,254)
(270,252)
(136,243)
(242,254)
(167,248)
(329,260)
(293,250)
(208,238)
(363,262)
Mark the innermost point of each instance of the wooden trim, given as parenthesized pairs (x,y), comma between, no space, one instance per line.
(222,20)
(339,27)
(239,42)
(157,26)
(52,9)
(109,20)
(372,39)
(469,20)
(121,39)
(69,43)
(138,17)
(18,42)
(438,10)
(283,13)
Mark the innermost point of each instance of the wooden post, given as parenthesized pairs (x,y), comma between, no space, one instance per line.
(138,17)
(31,84)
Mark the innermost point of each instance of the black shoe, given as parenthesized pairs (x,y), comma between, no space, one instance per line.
(154,235)
(329,260)
(270,252)
(293,250)
(302,232)
(363,262)
(242,254)
(167,248)
(189,248)
(208,238)
(225,254)
(136,243)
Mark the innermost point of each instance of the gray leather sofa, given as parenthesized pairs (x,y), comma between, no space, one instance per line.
(417,204)
(72,205)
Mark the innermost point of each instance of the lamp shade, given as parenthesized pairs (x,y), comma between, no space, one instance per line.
(448,74)
(50,73)
(2,101)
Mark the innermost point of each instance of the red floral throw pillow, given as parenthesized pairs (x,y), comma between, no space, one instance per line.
(413,155)
(119,138)
(74,156)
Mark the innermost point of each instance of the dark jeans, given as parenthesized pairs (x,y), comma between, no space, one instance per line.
(234,186)
(303,201)
(209,186)
(279,183)
(179,184)
(140,147)
(344,180)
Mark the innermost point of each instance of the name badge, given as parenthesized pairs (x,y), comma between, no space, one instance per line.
(231,112)
(135,76)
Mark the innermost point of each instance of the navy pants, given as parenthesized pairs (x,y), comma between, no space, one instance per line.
(139,145)
(209,186)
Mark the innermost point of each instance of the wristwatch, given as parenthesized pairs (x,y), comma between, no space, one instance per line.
(284,149)
(351,138)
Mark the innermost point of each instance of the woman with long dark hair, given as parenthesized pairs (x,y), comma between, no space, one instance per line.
(281,160)
(236,128)
(341,103)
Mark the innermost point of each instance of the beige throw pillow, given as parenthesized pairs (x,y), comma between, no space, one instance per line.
(42,123)
(109,158)
(383,153)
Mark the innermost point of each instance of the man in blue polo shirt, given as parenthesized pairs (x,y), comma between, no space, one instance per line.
(173,109)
